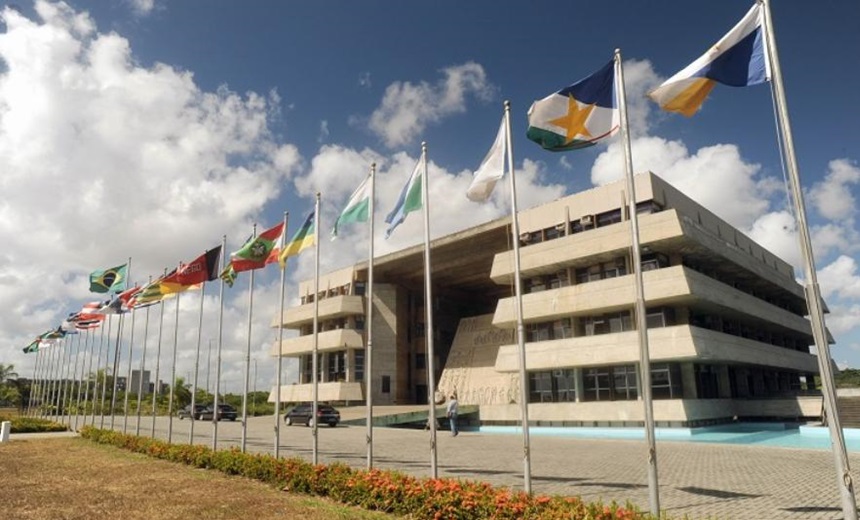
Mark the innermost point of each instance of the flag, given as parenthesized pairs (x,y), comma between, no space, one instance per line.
(356,208)
(228,275)
(202,269)
(303,239)
(151,293)
(113,306)
(113,279)
(254,253)
(492,168)
(577,116)
(408,201)
(739,59)
(32,347)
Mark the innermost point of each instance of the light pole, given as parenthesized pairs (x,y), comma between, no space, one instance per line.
(255,387)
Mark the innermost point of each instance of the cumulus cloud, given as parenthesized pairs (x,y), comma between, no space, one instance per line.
(832,197)
(104,159)
(142,7)
(407,108)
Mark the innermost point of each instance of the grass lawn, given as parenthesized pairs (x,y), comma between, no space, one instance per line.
(70,478)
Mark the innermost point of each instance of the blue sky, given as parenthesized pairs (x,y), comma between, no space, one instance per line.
(149,128)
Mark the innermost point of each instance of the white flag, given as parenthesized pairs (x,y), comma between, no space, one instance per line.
(491,170)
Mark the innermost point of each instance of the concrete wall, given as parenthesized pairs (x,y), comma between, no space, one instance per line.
(470,369)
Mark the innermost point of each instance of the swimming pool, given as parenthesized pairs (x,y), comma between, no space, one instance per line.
(753,434)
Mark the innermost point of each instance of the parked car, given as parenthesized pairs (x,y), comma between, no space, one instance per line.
(201,412)
(225,412)
(303,414)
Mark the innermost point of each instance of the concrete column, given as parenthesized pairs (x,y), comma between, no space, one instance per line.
(578,384)
(688,381)
(723,383)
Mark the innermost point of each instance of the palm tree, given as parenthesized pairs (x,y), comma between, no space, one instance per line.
(7,374)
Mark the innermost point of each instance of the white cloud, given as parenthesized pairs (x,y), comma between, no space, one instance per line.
(407,108)
(104,159)
(364,80)
(840,278)
(142,7)
(832,197)
(324,132)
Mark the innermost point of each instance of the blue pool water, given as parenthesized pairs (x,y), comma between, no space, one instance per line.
(751,434)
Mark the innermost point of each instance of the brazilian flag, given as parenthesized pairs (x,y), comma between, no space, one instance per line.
(113,279)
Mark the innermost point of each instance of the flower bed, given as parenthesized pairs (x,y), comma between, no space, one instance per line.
(380,490)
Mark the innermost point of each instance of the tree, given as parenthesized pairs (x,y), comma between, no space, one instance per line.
(181,394)
(7,374)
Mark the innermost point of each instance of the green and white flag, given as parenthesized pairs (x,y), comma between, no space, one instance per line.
(408,201)
(356,209)
(491,170)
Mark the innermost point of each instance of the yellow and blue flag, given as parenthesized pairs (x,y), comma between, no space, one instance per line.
(739,59)
(576,116)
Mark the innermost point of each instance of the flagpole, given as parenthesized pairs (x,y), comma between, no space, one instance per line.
(69,399)
(55,365)
(98,363)
(61,370)
(49,380)
(118,354)
(64,375)
(220,336)
(518,292)
(641,321)
(197,367)
(104,381)
(248,356)
(368,322)
(128,373)
(428,306)
(33,383)
(173,372)
(140,393)
(38,400)
(156,387)
(315,362)
(81,380)
(812,290)
(280,341)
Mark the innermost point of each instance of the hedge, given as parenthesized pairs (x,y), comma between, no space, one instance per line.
(33,425)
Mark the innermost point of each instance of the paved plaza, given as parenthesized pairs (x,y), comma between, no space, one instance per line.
(718,481)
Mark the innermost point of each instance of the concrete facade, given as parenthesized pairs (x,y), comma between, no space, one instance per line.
(726,319)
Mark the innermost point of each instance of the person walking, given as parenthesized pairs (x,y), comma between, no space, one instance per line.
(453,410)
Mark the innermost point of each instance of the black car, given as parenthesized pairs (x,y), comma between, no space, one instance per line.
(201,412)
(225,412)
(303,414)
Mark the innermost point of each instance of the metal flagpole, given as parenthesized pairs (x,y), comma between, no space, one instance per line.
(811,289)
(280,341)
(96,378)
(368,321)
(428,306)
(36,385)
(33,382)
(55,374)
(156,386)
(173,374)
(64,377)
(82,379)
(315,361)
(73,378)
(220,336)
(117,354)
(518,292)
(641,321)
(43,373)
(248,357)
(197,366)
(128,374)
(142,368)
(49,378)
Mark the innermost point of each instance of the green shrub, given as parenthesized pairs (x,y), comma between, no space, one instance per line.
(33,425)
(381,490)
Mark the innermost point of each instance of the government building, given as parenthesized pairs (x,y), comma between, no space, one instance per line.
(727,330)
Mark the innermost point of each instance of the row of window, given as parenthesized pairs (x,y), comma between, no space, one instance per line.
(600,324)
(333,365)
(585,223)
(610,383)
(600,271)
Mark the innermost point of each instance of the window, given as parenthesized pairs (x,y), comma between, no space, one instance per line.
(336,366)
(559,279)
(596,383)
(359,323)
(660,317)
(561,329)
(540,387)
(707,386)
(609,217)
(420,361)
(359,365)
(360,288)
(651,261)
(565,385)
(537,332)
(625,382)
(666,381)
(552,386)
(386,384)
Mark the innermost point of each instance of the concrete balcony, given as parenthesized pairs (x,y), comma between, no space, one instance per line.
(678,343)
(329,309)
(334,391)
(338,339)
(675,285)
